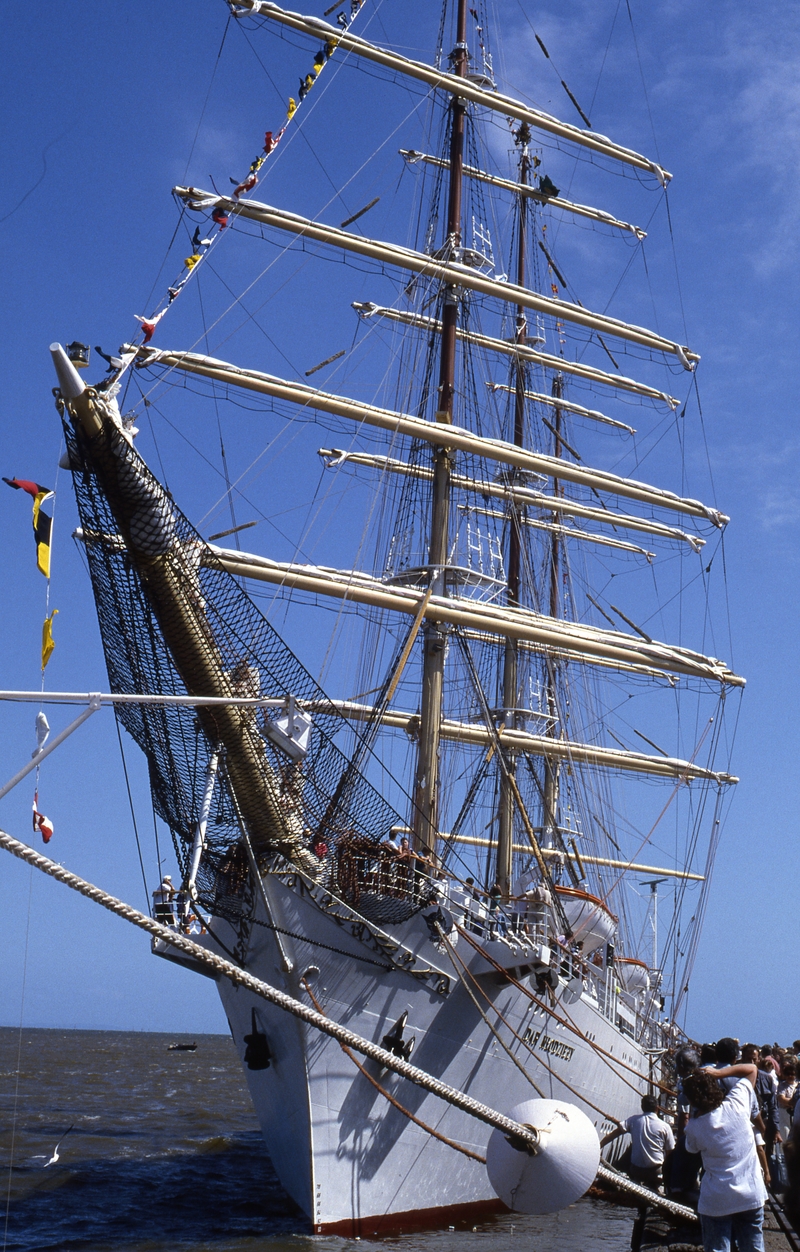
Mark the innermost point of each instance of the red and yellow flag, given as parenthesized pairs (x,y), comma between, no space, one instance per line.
(42,522)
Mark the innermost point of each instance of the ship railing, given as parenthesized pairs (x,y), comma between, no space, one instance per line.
(390,886)
(367,873)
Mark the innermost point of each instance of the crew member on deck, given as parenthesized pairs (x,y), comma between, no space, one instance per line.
(651,1142)
(163,897)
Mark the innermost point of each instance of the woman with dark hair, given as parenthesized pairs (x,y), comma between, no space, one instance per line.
(732,1192)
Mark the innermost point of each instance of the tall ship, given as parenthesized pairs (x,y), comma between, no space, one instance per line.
(460,784)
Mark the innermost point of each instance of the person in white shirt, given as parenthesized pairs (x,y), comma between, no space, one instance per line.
(651,1142)
(163,898)
(732,1192)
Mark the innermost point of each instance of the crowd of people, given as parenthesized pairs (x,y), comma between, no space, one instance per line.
(734,1133)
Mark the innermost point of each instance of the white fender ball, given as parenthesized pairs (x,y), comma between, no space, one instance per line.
(562,1170)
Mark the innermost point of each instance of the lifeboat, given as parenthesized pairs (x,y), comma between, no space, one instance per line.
(591,922)
(633,975)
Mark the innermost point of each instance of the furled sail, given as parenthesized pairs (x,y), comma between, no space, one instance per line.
(431,432)
(462,87)
(516,494)
(566,406)
(562,636)
(525,189)
(452,272)
(522,351)
(547,746)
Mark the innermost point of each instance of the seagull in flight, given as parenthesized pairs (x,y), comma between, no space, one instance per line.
(54,1157)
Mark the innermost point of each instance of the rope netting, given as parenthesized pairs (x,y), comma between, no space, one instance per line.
(173,624)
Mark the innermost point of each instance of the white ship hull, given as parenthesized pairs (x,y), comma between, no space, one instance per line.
(351,1160)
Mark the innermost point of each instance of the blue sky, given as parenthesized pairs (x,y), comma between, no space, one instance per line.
(105,108)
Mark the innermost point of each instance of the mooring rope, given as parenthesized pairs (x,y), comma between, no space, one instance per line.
(656,1201)
(459,1099)
(523,1135)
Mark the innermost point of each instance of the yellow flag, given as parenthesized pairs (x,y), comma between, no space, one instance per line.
(192,260)
(48,642)
(292,109)
(42,530)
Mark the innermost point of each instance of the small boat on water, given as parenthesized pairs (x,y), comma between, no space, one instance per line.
(182,1047)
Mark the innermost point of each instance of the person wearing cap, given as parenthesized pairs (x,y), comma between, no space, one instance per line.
(163,897)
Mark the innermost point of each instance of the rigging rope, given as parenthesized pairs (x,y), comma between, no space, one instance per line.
(564,1021)
(451,1143)
(559,1078)
(133,813)
(456,961)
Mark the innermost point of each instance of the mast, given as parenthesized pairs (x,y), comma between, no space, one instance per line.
(551,768)
(505,834)
(426,783)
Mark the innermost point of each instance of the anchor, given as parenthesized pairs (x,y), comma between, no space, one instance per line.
(256,1054)
(394,1041)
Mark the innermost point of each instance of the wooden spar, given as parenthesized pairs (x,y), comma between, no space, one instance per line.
(566,532)
(576,640)
(555,854)
(517,494)
(567,406)
(458,438)
(419,618)
(161,564)
(108,697)
(636,762)
(505,829)
(523,741)
(462,88)
(550,790)
(559,636)
(525,189)
(449,273)
(509,347)
(483,625)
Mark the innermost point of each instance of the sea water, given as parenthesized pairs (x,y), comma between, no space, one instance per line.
(165,1155)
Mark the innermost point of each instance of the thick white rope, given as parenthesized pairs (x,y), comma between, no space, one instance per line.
(524,1134)
(311,1017)
(656,1201)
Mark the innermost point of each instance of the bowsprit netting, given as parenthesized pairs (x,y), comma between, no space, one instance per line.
(173,624)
